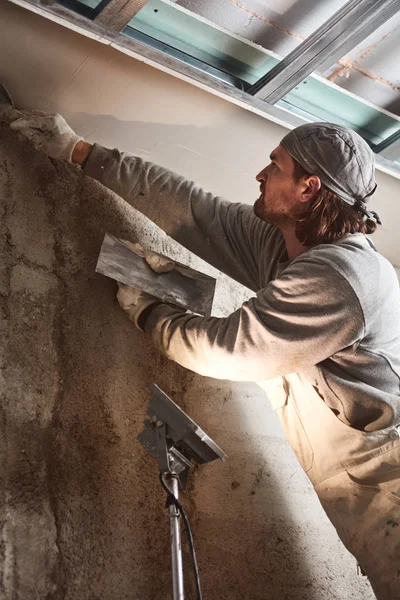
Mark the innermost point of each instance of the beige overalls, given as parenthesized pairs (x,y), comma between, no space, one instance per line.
(355,474)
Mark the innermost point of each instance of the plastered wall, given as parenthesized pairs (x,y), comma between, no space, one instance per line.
(82,511)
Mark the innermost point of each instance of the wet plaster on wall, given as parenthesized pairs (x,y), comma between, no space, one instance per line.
(82,510)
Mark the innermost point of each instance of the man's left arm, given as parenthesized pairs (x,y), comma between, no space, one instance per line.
(296,322)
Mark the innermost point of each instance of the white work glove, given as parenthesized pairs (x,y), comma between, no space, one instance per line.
(158,262)
(134,301)
(49,133)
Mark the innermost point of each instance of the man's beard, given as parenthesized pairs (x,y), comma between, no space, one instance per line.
(279,219)
(259,208)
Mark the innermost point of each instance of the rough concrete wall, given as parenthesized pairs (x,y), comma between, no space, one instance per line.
(81,508)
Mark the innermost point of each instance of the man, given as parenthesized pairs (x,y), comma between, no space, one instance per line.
(322,334)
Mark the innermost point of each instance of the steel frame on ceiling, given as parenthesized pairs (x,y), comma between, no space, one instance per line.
(389,148)
(343,31)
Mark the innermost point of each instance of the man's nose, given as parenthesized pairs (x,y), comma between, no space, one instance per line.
(262,176)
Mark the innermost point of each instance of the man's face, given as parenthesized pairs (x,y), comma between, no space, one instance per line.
(280,194)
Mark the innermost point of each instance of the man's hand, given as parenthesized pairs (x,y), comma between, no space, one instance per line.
(49,133)
(134,302)
(158,262)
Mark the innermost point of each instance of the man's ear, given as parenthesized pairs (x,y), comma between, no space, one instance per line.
(311,185)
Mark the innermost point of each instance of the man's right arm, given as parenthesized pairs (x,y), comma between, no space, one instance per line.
(226,235)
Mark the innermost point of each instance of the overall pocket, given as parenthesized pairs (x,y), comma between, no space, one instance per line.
(280,397)
(382,473)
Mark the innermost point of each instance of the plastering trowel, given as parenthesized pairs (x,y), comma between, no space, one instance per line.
(181,286)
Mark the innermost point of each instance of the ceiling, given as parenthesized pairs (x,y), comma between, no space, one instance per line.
(371,70)
(234,48)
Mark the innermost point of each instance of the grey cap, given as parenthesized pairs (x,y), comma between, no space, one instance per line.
(340,157)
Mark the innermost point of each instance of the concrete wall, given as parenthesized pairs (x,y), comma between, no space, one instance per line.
(81,507)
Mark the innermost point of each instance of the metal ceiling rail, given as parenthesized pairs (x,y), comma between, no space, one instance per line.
(342,32)
(116,14)
(389,148)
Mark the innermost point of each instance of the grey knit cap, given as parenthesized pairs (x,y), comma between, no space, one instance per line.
(340,157)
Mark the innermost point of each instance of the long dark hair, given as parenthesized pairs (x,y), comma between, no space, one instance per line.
(327,218)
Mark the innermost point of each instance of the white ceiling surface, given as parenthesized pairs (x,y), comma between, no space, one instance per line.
(371,70)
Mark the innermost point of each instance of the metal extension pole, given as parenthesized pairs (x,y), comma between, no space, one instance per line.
(176,545)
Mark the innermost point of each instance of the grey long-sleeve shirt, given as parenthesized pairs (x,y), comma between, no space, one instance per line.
(332,314)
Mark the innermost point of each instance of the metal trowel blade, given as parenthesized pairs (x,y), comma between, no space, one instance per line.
(182,286)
